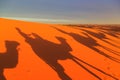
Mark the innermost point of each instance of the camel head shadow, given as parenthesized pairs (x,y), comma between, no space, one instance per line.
(8,59)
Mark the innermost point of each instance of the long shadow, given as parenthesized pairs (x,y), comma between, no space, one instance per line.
(51,52)
(111,32)
(90,43)
(102,37)
(9,59)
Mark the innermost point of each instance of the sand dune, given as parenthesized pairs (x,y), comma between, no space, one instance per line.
(59,52)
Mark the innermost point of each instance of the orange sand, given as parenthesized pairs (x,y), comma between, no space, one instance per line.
(31,67)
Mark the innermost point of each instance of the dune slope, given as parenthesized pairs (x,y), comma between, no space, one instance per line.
(57,52)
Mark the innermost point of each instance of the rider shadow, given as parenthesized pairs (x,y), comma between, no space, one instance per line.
(51,52)
(91,43)
(103,38)
(111,32)
(9,59)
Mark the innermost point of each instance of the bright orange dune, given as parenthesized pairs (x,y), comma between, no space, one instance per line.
(82,53)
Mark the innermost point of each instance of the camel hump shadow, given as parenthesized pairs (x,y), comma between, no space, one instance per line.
(50,49)
(49,52)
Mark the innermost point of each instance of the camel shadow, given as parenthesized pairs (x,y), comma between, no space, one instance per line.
(101,35)
(51,52)
(105,29)
(111,32)
(9,59)
(91,43)
(103,38)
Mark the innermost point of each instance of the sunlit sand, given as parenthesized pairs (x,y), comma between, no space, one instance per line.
(62,52)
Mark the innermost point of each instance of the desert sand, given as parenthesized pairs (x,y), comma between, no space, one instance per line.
(59,52)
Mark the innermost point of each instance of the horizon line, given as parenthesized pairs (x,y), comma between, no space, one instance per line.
(55,21)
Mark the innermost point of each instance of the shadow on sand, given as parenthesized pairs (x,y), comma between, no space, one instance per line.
(91,43)
(51,52)
(101,35)
(103,38)
(112,31)
(9,59)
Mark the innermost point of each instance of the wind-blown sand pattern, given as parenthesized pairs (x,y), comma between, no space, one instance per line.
(59,52)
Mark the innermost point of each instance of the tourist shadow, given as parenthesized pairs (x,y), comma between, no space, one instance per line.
(91,43)
(101,36)
(51,52)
